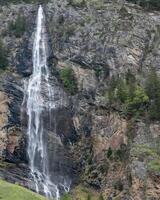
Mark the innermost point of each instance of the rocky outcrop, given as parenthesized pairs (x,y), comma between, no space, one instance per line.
(98,40)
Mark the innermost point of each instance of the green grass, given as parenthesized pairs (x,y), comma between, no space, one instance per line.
(10,191)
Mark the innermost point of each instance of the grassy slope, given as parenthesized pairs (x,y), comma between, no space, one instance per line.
(10,191)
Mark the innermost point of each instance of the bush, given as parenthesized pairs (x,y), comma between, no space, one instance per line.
(129,94)
(120,154)
(18,27)
(109,152)
(153,91)
(3,56)
(122,91)
(101,197)
(89,197)
(68,79)
(149,4)
(111,90)
(66,197)
(77,3)
(4,2)
(118,185)
(135,105)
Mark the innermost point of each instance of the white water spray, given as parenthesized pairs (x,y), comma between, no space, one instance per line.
(37,89)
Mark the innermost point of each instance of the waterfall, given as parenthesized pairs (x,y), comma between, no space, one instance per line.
(38,89)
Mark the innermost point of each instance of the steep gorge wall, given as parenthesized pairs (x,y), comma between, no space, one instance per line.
(97,40)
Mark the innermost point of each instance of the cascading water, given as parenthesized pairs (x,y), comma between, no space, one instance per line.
(38,89)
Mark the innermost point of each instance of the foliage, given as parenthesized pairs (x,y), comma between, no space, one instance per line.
(111,90)
(103,167)
(109,152)
(89,197)
(77,3)
(3,56)
(68,79)
(130,130)
(154,165)
(122,91)
(66,196)
(101,197)
(150,4)
(83,193)
(129,94)
(20,1)
(150,154)
(135,105)
(118,185)
(18,27)
(10,191)
(120,154)
(133,99)
(153,91)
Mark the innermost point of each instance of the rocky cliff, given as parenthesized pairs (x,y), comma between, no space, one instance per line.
(114,152)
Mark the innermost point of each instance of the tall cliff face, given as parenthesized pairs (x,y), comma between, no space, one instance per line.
(107,150)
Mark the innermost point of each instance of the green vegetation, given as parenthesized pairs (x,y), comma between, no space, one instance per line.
(120,154)
(136,104)
(153,91)
(66,196)
(149,4)
(18,27)
(154,165)
(133,99)
(118,185)
(10,191)
(89,197)
(101,197)
(83,193)
(6,164)
(3,56)
(77,3)
(129,94)
(109,152)
(131,130)
(20,1)
(68,79)
(150,154)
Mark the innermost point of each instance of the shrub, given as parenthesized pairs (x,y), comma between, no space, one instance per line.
(150,4)
(18,27)
(66,197)
(3,56)
(89,197)
(101,197)
(104,167)
(77,3)
(111,90)
(118,185)
(68,79)
(130,130)
(122,91)
(131,96)
(109,152)
(135,105)
(25,1)
(153,91)
(154,165)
